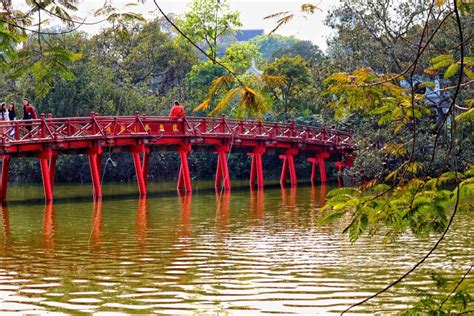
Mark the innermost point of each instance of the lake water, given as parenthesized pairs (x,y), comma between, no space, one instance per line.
(239,253)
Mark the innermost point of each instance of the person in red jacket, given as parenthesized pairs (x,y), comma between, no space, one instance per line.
(29,111)
(177,111)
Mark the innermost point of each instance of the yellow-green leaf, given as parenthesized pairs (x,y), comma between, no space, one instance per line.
(451,71)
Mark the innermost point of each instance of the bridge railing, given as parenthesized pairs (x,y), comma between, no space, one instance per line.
(92,127)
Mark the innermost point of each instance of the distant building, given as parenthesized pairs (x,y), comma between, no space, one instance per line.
(247,35)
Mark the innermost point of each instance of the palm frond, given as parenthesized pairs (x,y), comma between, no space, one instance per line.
(271,81)
(217,84)
(276,15)
(253,102)
(225,102)
(203,106)
(284,20)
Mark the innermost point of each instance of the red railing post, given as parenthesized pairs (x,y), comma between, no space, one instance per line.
(136,128)
(222,124)
(292,128)
(93,124)
(203,126)
(17,131)
(43,126)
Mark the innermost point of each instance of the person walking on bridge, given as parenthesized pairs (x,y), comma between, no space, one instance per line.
(177,111)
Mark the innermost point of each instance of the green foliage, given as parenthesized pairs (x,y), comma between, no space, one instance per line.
(240,57)
(295,93)
(305,49)
(207,21)
(421,206)
(365,91)
(270,44)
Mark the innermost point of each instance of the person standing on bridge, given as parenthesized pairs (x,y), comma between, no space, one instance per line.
(29,111)
(11,111)
(3,117)
(4,112)
(177,111)
(11,117)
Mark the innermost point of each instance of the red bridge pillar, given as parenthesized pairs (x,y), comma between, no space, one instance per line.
(319,160)
(141,167)
(289,166)
(256,169)
(48,170)
(222,170)
(4,178)
(184,177)
(95,163)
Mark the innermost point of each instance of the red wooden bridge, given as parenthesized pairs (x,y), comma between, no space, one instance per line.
(48,137)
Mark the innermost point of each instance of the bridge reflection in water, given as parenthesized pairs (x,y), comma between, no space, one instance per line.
(222,215)
(244,251)
(47,138)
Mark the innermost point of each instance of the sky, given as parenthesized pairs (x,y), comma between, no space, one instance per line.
(252,13)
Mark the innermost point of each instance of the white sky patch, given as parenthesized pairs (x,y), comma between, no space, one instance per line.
(252,13)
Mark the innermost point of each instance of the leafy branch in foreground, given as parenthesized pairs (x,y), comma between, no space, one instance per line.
(404,208)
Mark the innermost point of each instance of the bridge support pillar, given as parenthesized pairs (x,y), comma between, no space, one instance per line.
(52,168)
(256,169)
(222,171)
(319,160)
(184,177)
(141,167)
(289,166)
(47,173)
(4,178)
(95,164)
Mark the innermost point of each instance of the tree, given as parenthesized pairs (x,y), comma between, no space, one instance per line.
(240,57)
(295,94)
(269,44)
(207,21)
(241,91)
(34,50)
(148,57)
(307,50)
(200,78)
